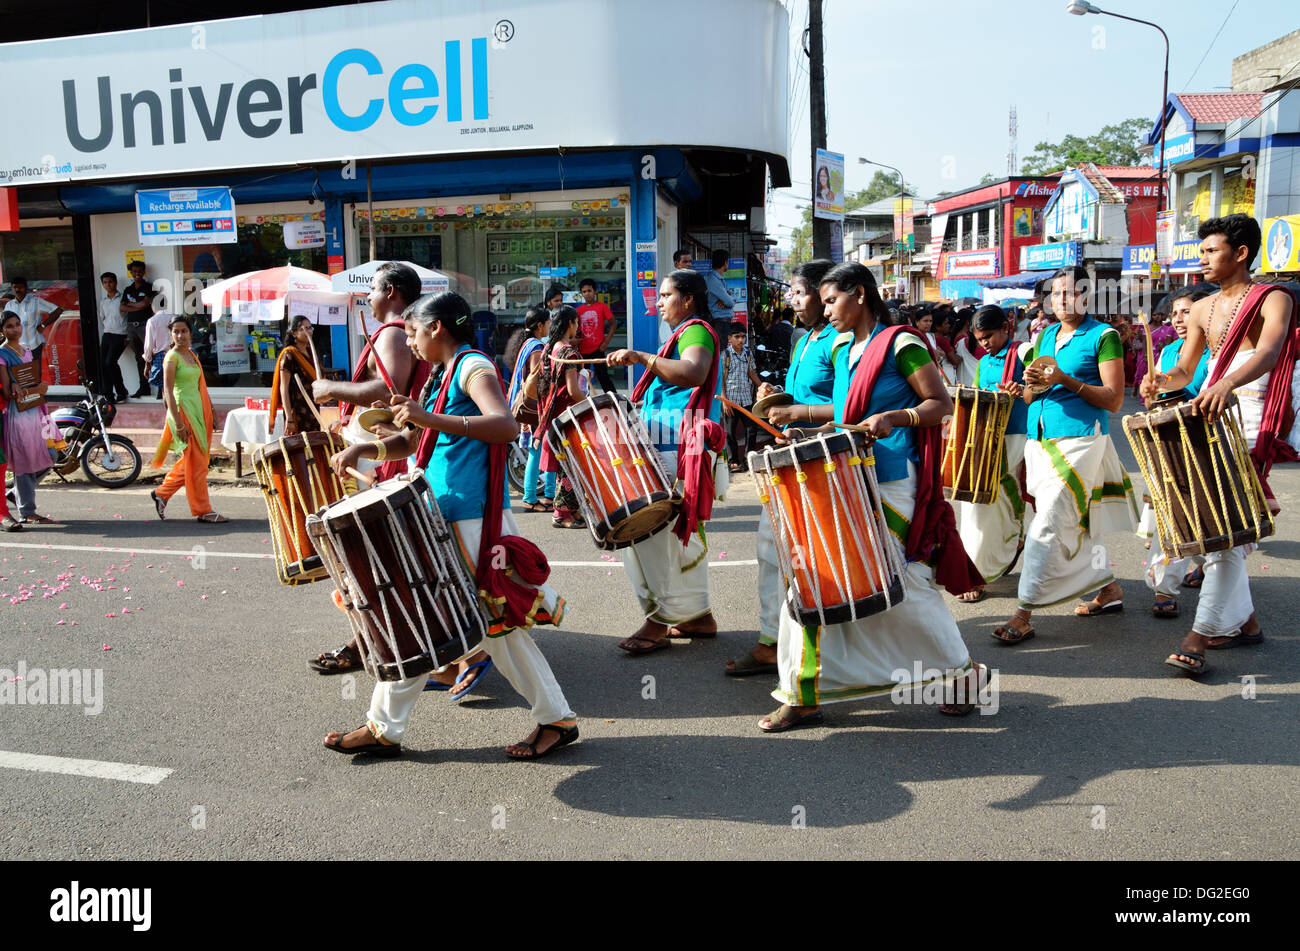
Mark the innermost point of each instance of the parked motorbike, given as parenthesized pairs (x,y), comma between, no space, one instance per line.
(107,459)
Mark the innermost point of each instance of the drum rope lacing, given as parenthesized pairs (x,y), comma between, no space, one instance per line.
(990,463)
(1234,459)
(278,513)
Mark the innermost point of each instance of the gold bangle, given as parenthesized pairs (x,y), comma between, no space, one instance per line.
(808,410)
(913,417)
(465,420)
(650,367)
(381,451)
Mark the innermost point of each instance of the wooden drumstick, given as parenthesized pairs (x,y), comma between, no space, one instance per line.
(726,402)
(383,371)
(310,402)
(577,362)
(360,476)
(315,357)
(1146,325)
(853,427)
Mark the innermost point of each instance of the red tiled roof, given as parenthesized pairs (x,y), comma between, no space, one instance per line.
(1221,106)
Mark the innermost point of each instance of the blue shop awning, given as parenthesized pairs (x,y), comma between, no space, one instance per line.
(1025,279)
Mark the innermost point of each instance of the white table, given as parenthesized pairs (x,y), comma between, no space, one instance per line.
(248,426)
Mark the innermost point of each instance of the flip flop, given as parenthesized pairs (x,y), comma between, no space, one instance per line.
(1194,578)
(376,749)
(159,505)
(979,593)
(1194,670)
(1165,609)
(783,718)
(1093,608)
(212,518)
(747,666)
(1239,640)
(483,667)
(10,524)
(432,684)
(662,644)
(1017,635)
(39,519)
(567,735)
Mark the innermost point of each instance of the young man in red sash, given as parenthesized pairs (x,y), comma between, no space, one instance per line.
(386,360)
(670,570)
(1250,331)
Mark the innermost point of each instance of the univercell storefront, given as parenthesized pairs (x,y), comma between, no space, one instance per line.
(458,137)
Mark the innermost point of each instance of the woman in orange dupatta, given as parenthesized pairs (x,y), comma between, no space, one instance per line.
(295,363)
(189,427)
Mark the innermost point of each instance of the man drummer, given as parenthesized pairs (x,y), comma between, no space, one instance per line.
(1165,574)
(393,289)
(1252,328)
(810,383)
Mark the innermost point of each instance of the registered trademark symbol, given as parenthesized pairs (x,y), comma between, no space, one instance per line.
(504,31)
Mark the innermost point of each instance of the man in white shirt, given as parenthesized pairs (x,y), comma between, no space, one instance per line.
(157,341)
(35,313)
(112,339)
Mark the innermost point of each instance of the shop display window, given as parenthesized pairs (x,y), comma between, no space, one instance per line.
(1238,193)
(501,255)
(1194,202)
(260,246)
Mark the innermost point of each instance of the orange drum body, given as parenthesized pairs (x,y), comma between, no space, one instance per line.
(296,480)
(829,528)
(973,453)
(623,490)
(1204,490)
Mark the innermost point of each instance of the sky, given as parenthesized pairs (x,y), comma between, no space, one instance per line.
(926,85)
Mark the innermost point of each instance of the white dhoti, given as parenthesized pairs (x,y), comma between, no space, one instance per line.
(671,580)
(771,582)
(913,642)
(513,652)
(1081,491)
(992,533)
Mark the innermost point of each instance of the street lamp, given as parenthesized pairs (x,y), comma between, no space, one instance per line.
(902,204)
(1079,8)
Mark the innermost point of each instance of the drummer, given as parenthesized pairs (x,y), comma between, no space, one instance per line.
(463,422)
(887,380)
(1080,489)
(669,570)
(393,289)
(810,385)
(1164,573)
(994,534)
(1252,328)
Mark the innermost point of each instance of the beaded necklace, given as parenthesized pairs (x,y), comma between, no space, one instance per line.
(1218,344)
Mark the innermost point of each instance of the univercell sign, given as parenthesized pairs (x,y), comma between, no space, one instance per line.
(404,77)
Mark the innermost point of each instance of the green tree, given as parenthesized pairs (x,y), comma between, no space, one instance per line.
(882,185)
(1113,145)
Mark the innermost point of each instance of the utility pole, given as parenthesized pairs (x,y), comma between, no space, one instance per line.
(821,227)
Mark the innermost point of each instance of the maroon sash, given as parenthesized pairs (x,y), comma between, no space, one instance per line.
(932,536)
(1270,445)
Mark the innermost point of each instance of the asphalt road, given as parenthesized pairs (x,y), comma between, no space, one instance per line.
(1097,751)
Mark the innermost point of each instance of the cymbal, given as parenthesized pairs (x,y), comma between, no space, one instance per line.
(1041,363)
(375,414)
(772,399)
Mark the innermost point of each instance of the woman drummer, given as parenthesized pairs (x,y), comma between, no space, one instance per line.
(1080,489)
(810,381)
(670,570)
(453,447)
(559,386)
(994,534)
(294,363)
(886,380)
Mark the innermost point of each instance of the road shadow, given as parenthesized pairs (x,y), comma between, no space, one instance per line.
(856,770)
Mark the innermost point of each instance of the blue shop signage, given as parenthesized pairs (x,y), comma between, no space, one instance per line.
(1040,257)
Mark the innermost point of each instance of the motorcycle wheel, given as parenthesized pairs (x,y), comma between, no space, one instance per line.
(114,470)
(517,466)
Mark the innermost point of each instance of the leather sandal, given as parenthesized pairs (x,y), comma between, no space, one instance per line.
(377,749)
(338,661)
(567,734)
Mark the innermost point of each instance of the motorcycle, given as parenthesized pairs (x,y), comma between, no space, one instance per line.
(107,459)
(517,464)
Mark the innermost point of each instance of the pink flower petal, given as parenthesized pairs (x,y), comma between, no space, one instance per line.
(110,615)
(63,622)
(180,584)
(106,647)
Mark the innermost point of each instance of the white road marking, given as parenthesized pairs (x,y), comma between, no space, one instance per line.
(98,769)
(209,553)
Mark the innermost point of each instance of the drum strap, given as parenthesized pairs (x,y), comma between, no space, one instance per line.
(1270,445)
(932,536)
(697,433)
(510,589)
(1011,364)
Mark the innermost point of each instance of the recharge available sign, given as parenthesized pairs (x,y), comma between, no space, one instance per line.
(167,216)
